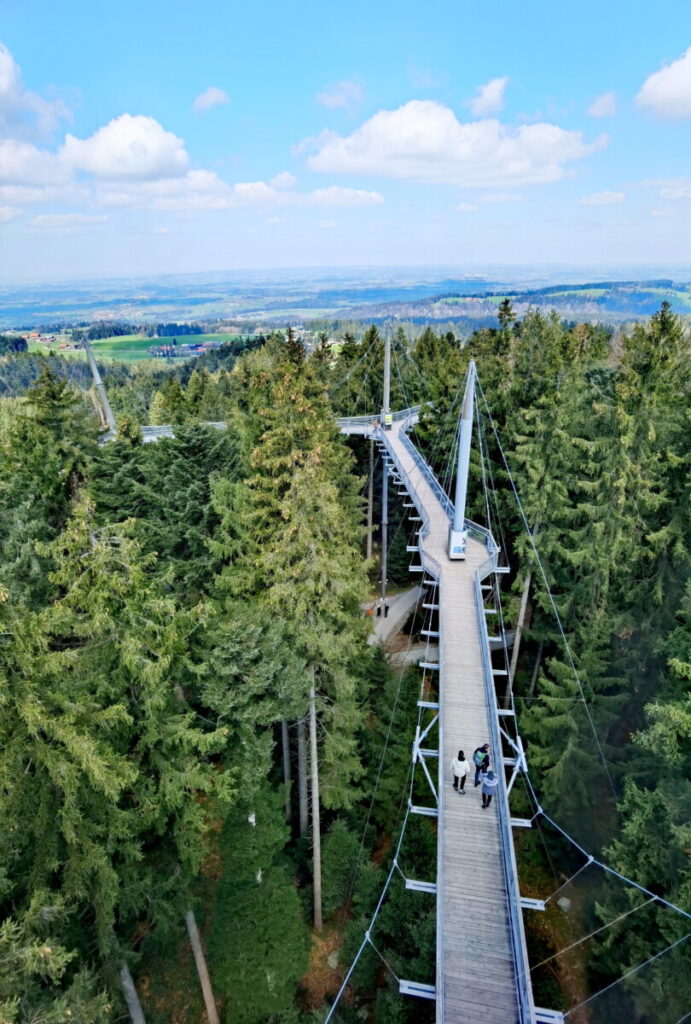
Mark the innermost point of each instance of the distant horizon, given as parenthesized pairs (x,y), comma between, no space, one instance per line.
(590,272)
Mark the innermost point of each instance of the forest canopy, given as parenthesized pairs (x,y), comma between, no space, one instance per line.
(193,723)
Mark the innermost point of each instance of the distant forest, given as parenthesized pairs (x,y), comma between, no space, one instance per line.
(194,728)
(110,329)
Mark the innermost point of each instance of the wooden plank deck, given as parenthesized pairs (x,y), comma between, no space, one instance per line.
(475,964)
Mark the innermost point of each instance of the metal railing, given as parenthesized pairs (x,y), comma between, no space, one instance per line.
(477,532)
(430,564)
(371,422)
(519,950)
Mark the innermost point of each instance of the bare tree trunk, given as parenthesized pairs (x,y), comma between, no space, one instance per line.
(536,669)
(285,739)
(302,776)
(521,622)
(370,499)
(131,998)
(200,960)
(316,831)
(518,633)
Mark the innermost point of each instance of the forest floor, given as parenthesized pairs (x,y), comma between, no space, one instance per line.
(321,979)
(563,980)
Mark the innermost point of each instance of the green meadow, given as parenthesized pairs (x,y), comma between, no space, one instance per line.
(129,348)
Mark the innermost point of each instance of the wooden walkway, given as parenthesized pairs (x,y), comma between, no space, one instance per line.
(476,963)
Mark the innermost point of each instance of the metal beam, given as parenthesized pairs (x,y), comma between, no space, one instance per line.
(414,886)
(415,988)
(458,536)
(103,397)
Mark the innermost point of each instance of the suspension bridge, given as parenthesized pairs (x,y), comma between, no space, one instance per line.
(482,966)
(476,884)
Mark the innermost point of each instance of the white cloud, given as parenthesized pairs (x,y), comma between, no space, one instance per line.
(603,106)
(211,97)
(679,190)
(489,99)
(283,180)
(128,148)
(346,95)
(197,190)
(205,190)
(24,114)
(500,197)
(22,163)
(604,199)
(335,195)
(8,213)
(667,92)
(424,141)
(326,225)
(671,188)
(466,207)
(66,220)
(256,191)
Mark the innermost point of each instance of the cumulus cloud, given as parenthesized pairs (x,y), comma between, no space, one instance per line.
(603,106)
(196,190)
(667,92)
(489,99)
(604,199)
(284,180)
(66,220)
(24,114)
(345,95)
(336,195)
(500,197)
(424,141)
(671,188)
(22,163)
(205,190)
(211,97)
(8,213)
(128,148)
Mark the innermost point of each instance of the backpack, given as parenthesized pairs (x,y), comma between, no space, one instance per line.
(479,758)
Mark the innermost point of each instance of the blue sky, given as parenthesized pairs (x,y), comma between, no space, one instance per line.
(148,137)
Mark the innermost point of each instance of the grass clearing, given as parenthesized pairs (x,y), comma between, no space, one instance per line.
(127,348)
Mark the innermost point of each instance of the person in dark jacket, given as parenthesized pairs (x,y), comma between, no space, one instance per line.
(489,788)
(481,761)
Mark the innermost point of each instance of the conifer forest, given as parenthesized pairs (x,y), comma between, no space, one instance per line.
(204,762)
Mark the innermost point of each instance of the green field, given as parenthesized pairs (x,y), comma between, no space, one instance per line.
(129,348)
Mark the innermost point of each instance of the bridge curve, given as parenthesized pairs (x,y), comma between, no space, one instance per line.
(482,964)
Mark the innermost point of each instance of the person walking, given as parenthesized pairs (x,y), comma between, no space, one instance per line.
(481,761)
(489,787)
(460,769)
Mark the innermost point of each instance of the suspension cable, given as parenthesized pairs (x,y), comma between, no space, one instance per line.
(597,931)
(628,974)
(567,647)
(599,863)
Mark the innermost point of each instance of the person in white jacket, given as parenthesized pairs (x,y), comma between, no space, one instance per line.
(460,768)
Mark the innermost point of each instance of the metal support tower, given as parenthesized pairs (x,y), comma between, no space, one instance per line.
(458,536)
(386,417)
(109,419)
